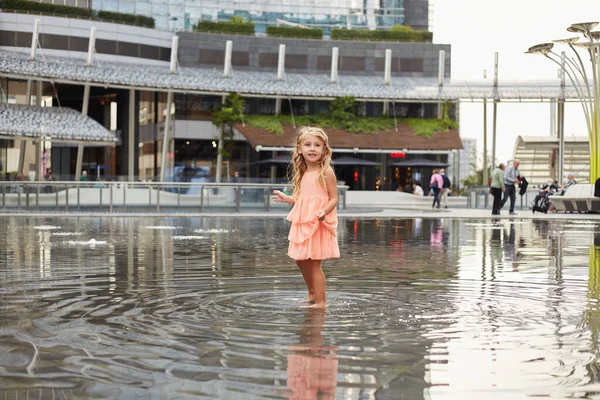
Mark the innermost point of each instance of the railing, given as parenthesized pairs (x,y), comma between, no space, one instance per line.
(142,197)
(480,197)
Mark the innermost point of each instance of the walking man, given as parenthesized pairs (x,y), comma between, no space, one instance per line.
(497,187)
(511,179)
(445,187)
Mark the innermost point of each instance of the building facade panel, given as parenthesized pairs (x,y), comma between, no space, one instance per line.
(263,54)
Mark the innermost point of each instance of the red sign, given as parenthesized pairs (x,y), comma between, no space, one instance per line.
(398,155)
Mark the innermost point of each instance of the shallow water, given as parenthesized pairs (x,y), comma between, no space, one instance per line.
(211,308)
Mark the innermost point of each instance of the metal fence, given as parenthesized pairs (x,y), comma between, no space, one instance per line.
(142,196)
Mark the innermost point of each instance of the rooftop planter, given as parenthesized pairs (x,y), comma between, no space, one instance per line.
(294,32)
(398,33)
(236,26)
(31,7)
(421,127)
(343,116)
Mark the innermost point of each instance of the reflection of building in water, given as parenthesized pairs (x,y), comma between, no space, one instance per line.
(543,296)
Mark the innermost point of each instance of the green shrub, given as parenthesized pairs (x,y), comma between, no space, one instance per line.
(294,32)
(129,19)
(44,8)
(69,11)
(427,127)
(236,27)
(342,115)
(269,123)
(421,127)
(398,33)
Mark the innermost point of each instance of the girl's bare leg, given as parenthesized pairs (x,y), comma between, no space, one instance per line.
(318,284)
(304,266)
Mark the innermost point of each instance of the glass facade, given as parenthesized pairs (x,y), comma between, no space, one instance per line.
(180,15)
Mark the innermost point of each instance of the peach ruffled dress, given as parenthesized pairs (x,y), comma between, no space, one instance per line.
(310,238)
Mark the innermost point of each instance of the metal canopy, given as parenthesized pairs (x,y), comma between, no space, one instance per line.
(353,161)
(419,162)
(265,83)
(57,124)
(279,160)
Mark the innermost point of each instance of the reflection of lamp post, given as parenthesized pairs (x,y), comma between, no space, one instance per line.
(588,92)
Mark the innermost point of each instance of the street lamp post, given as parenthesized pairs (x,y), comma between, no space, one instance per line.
(588,91)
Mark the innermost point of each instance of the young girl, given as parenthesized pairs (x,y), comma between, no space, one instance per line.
(313,234)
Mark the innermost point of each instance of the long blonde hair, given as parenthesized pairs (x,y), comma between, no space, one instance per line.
(298,165)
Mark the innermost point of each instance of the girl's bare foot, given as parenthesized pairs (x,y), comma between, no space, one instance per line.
(310,298)
(318,305)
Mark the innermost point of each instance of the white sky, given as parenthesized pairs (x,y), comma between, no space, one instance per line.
(476,29)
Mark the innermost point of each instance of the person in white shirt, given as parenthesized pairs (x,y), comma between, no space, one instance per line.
(512,177)
(418,190)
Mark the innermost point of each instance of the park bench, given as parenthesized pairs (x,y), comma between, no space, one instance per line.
(578,198)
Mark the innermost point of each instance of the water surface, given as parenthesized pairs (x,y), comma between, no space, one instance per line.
(212,308)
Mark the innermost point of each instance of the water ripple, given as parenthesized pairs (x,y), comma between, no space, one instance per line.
(213,308)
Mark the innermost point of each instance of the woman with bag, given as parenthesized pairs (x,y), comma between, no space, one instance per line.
(435,185)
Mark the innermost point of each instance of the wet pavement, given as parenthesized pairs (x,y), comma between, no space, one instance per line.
(418,308)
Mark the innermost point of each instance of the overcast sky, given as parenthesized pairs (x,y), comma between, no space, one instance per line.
(476,29)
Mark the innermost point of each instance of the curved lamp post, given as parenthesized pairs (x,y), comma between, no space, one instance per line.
(586,86)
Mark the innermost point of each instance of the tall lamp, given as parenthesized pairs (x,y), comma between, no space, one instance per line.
(587,87)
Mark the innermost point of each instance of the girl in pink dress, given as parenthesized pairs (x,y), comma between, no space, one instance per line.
(313,235)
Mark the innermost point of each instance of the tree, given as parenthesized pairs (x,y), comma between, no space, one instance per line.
(224,118)
(476,179)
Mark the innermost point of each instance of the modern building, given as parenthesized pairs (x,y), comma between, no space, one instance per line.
(467,157)
(129,84)
(181,15)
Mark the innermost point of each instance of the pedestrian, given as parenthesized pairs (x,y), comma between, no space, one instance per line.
(313,234)
(511,178)
(435,186)
(49,178)
(570,182)
(417,190)
(497,186)
(445,188)
(83,177)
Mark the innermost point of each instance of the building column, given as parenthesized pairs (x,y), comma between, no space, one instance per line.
(166,138)
(131,142)
(127,114)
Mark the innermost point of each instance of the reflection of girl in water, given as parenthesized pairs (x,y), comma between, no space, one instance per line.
(312,368)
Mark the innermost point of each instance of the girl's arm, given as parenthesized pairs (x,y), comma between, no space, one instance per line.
(280,197)
(332,192)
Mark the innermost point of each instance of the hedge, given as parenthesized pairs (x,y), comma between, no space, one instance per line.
(129,19)
(294,32)
(421,127)
(45,8)
(382,36)
(235,28)
(69,11)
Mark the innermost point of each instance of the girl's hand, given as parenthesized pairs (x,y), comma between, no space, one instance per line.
(321,215)
(280,197)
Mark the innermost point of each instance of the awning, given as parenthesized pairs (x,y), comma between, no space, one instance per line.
(57,124)
(389,141)
(353,161)
(419,162)
(265,83)
(279,160)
